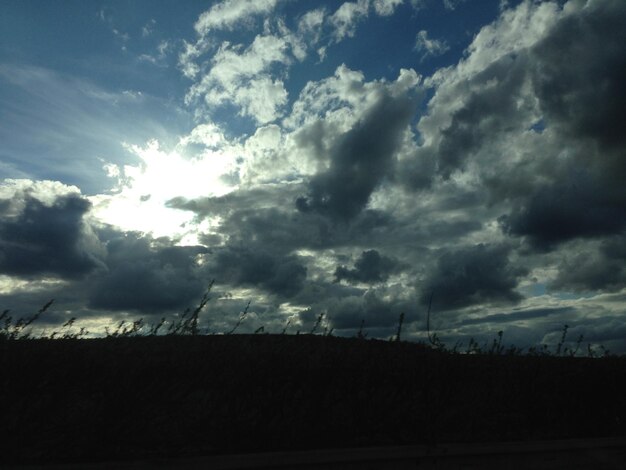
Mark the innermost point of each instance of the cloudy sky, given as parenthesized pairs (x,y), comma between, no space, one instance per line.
(347,158)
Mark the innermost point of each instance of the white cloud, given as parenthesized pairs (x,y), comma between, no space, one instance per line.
(516,29)
(345,19)
(252,77)
(262,99)
(229,65)
(429,47)
(386,7)
(209,135)
(223,15)
(45,191)
(328,96)
(311,22)
(309,32)
(186,59)
(341,100)
(265,159)
(163,47)
(228,13)
(242,77)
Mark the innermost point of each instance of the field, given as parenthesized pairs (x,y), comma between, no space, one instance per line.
(74,400)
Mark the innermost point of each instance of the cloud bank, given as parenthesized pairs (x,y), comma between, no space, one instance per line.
(494,184)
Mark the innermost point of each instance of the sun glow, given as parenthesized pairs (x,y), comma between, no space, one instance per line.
(138,200)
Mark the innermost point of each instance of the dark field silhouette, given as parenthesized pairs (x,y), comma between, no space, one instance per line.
(76,400)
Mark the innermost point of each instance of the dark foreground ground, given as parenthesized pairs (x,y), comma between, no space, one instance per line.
(161,397)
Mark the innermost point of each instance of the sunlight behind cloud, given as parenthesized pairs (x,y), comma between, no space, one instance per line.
(138,199)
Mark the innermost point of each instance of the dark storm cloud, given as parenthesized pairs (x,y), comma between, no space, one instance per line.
(574,208)
(147,276)
(254,244)
(571,186)
(281,275)
(261,219)
(5,206)
(68,301)
(47,240)
(256,240)
(370,267)
(359,161)
(312,136)
(267,218)
(576,74)
(592,270)
(417,172)
(254,198)
(609,330)
(472,275)
(347,312)
(579,76)
(284,230)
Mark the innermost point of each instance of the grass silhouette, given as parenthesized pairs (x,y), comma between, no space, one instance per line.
(169,390)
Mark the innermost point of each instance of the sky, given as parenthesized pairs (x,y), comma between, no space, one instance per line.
(357,159)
